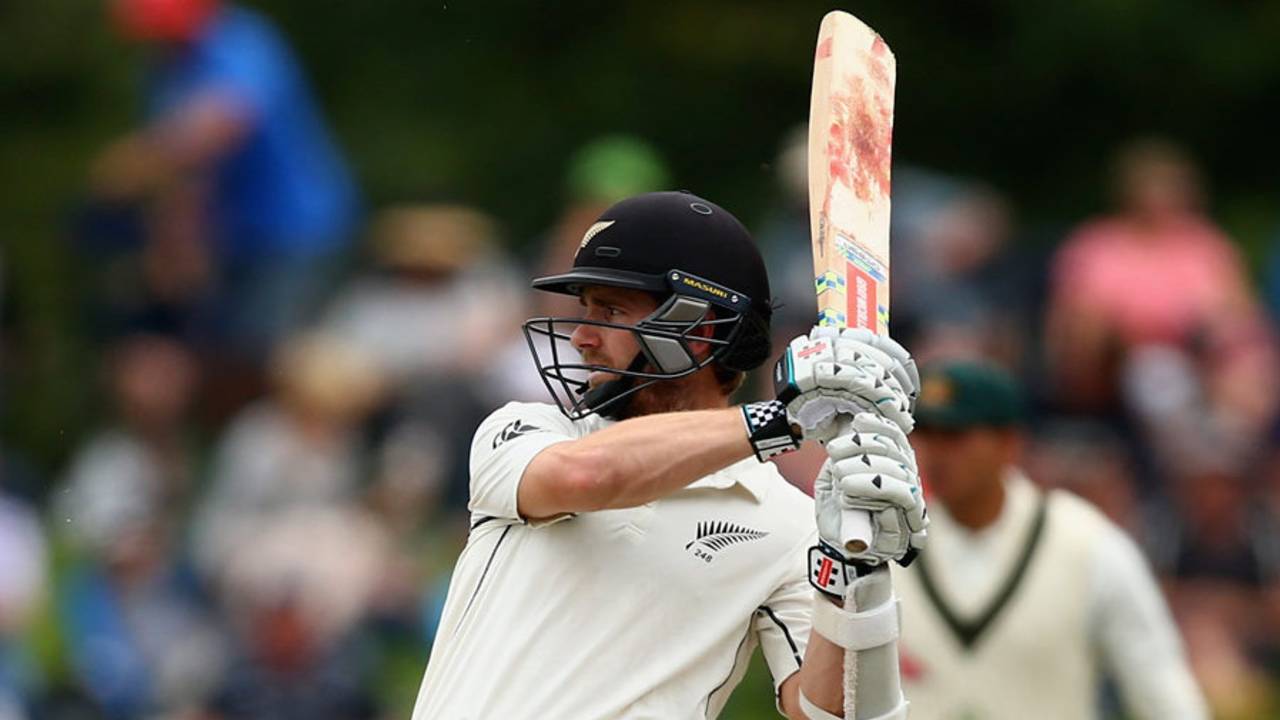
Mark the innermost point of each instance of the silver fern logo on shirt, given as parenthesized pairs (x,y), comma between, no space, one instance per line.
(712,536)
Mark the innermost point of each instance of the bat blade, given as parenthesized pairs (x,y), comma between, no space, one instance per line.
(850,148)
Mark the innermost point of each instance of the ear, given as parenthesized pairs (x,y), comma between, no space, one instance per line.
(702,349)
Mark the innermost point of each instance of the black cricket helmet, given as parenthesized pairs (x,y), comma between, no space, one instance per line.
(706,271)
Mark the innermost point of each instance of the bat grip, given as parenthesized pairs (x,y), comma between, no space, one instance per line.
(855,525)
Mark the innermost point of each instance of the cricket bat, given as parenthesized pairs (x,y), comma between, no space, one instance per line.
(850,141)
(850,144)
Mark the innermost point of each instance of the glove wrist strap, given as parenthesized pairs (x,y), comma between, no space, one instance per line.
(830,572)
(768,429)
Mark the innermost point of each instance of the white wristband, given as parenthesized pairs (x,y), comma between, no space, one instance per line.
(857,630)
(813,712)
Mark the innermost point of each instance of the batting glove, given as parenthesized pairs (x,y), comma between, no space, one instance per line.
(873,468)
(832,372)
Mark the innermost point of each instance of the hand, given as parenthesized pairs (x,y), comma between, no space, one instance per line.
(873,468)
(831,372)
(124,170)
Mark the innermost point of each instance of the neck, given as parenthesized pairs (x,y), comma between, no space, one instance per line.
(982,508)
(1154,221)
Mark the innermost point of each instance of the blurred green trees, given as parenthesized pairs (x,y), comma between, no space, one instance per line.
(484,101)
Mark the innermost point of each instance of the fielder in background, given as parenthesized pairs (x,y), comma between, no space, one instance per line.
(1025,598)
(630,548)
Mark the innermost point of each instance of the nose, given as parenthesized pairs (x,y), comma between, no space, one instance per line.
(584,337)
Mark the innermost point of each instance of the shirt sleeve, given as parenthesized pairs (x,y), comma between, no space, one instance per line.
(1136,635)
(504,445)
(782,623)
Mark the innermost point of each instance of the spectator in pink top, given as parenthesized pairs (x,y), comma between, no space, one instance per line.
(1151,313)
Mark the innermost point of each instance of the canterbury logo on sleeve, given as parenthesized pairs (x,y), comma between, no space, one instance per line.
(513,430)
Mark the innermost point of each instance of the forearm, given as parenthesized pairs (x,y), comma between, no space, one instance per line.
(149,159)
(653,456)
(822,675)
(829,688)
(633,462)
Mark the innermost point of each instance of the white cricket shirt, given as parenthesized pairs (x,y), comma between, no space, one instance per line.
(1019,619)
(645,612)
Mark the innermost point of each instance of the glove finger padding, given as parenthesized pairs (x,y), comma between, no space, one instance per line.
(826,364)
(874,381)
(871,433)
(892,356)
(842,390)
(892,392)
(894,531)
(884,485)
(873,467)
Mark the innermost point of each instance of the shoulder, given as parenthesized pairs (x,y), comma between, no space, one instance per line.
(1209,240)
(242,46)
(1067,506)
(544,413)
(521,418)
(241,26)
(1072,513)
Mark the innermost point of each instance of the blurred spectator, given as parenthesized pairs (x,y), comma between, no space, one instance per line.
(144,454)
(966,291)
(405,495)
(1091,460)
(1223,534)
(784,239)
(1219,552)
(600,173)
(248,199)
(23,585)
(299,448)
(442,300)
(1155,294)
(295,591)
(959,285)
(138,636)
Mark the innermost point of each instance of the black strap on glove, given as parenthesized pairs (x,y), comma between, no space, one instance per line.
(768,429)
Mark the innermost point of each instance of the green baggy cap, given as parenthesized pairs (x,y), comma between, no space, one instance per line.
(959,395)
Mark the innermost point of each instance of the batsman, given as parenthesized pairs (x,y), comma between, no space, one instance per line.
(630,546)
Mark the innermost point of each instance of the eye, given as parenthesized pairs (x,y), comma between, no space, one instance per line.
(614,311)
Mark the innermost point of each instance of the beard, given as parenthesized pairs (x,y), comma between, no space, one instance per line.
(663,396)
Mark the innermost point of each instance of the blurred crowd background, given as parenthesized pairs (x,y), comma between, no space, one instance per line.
(263,265)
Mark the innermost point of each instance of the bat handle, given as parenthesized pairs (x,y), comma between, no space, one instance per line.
(855,525)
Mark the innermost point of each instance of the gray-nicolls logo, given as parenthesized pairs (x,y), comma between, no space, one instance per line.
(713,536)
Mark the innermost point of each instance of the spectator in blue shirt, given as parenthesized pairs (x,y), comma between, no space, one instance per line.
(234,160)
